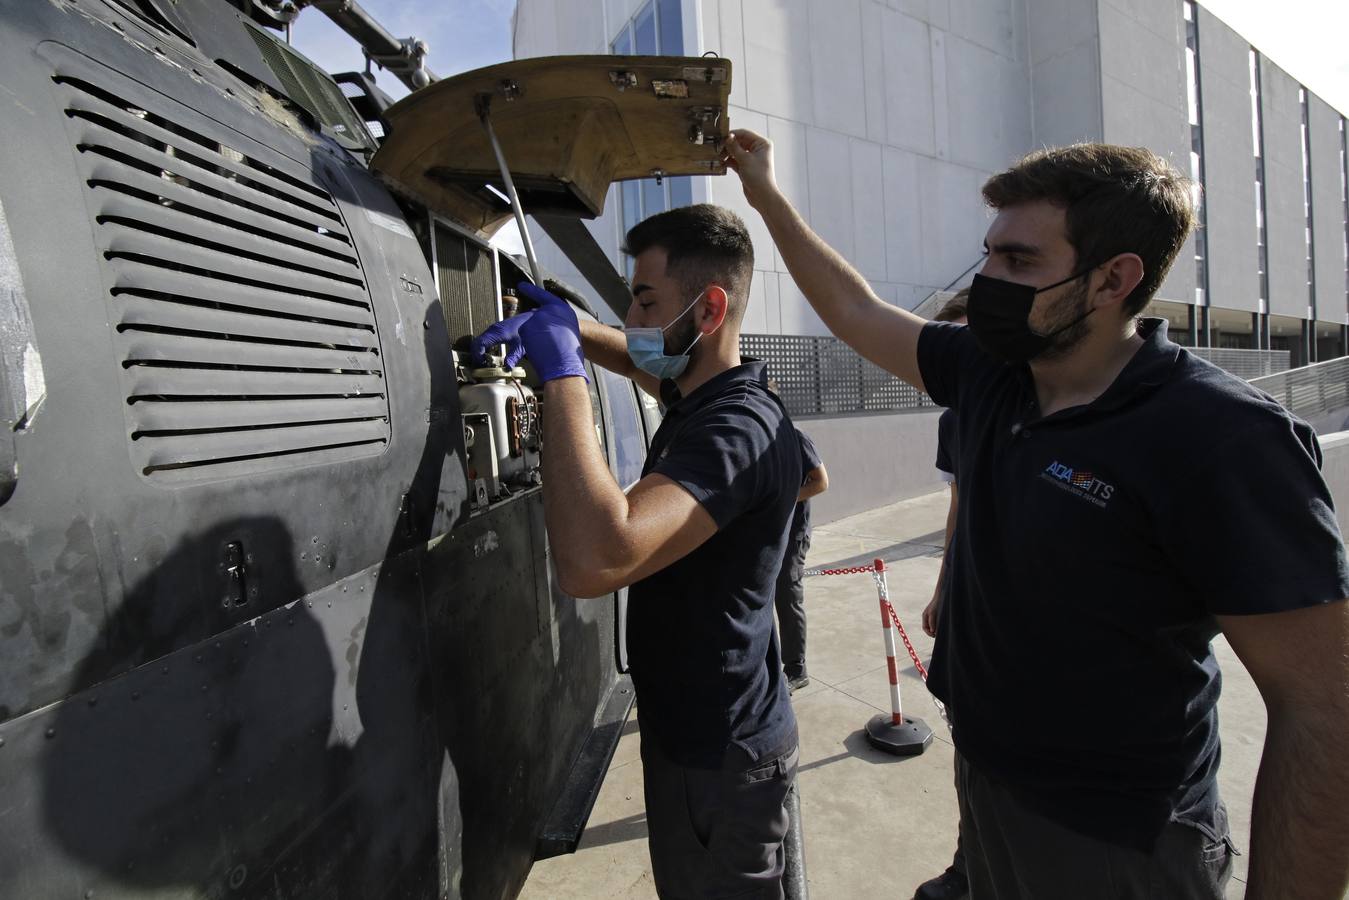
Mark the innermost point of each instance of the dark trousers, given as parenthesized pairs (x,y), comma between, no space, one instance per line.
(789,597)
(717,833)
(1014,853)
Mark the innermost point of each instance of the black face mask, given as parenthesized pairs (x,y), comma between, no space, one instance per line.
(999,313)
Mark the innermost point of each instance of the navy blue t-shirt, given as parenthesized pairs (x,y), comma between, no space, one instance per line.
(705,663)
(1092,550)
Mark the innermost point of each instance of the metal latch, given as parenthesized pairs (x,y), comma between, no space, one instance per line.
(236,575)
(707,75)
(704,127)
(622,79)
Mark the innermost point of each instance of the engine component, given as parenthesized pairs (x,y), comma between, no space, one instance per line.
(504,415)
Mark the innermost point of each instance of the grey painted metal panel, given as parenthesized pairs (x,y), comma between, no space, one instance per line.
(1229,166)
(1285,223)
(1328,235)
(1144,98)
(1065,71)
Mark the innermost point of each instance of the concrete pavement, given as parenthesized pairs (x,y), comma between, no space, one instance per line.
(874,825)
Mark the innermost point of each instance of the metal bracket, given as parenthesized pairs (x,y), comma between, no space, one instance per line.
(622,79)
(236,575)
(705,122)
(707,75)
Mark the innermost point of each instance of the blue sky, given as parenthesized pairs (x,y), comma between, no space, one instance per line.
(461,34)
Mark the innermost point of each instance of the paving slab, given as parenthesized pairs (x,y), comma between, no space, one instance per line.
(874,825)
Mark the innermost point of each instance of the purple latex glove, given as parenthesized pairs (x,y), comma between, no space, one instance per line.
(549,336)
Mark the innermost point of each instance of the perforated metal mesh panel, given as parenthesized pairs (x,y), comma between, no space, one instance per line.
(467,284)
(824,376)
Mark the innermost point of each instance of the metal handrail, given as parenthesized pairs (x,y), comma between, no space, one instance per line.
(822,376)
(1310,391)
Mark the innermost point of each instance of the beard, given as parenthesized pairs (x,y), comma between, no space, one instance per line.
(1071,308)
(680,339)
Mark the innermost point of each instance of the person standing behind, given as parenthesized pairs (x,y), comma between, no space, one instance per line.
(1122,503)
(699,538)
(953,884)
(790,595)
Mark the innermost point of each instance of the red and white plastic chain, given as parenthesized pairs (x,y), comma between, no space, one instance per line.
(855,570)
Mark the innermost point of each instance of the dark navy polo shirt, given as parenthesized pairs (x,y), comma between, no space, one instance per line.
(701,644)
(946,442)
(810,461)
(1092,550)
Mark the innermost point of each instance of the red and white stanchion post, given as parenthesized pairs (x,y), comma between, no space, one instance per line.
(894,733)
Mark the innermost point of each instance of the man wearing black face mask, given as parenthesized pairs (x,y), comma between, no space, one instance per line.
(1122,502)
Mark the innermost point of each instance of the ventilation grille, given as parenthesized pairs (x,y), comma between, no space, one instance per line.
(467,285)
(312,89)
(242,321)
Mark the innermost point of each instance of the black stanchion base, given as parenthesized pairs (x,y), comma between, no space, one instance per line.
(910,738)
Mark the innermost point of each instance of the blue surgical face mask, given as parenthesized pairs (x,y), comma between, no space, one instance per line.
(646,347)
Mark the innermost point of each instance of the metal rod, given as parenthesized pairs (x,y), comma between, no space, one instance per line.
(485,114)
(403,58)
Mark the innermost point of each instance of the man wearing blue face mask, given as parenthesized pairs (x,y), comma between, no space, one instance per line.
(699,538)
(1122,502)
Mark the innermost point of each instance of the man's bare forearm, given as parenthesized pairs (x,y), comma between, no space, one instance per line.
(1300,818)
(582,504)
(608,347)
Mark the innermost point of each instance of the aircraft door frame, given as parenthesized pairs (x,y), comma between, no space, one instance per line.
(611,385)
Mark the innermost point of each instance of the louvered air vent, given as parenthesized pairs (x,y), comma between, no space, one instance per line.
(242,320)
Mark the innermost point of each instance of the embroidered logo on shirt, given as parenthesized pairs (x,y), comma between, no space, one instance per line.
(1079,482)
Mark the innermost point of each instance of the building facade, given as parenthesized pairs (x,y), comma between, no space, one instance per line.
(887,117)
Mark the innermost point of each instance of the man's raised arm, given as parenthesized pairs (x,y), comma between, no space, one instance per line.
(884,334)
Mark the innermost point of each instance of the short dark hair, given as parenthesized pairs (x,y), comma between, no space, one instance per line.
(1116,200)
(702,243)
(958,307)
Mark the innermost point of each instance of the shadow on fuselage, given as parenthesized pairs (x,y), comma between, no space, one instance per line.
(402,732)
(293,755)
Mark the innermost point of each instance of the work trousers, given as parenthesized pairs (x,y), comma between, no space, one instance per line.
(716,834)
(789,597)
(1014,853)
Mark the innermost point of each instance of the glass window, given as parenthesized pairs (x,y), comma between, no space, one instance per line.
(595,405)
(671,28)
(1286,333)
(681,192)
(653,197)
(644,31)
(1232,329)
(656,29)
(1177,317)
(626,429)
